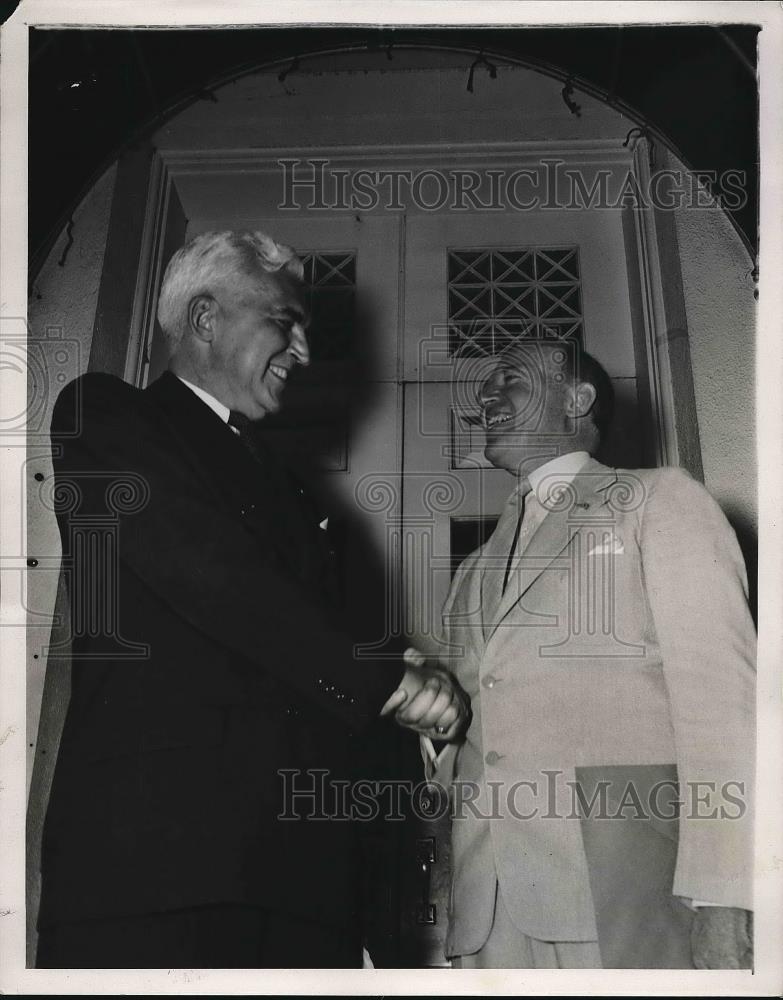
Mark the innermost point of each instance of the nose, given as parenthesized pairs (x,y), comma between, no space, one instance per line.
(489,390)
(298,346)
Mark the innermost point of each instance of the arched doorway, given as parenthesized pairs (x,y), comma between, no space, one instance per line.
(434,229)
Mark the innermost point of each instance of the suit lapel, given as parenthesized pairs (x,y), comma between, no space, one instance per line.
(260,491)
(566,516)
(462,615)
(204,439)
(209,444)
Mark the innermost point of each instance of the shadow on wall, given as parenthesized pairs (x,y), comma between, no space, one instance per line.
(624,447)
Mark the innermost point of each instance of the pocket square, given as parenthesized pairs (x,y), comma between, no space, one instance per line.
(614,547)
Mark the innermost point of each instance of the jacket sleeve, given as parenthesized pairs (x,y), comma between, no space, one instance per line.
(199,559)
(440,761)
(697,591)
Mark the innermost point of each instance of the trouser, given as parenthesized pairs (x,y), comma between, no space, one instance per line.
(225,936)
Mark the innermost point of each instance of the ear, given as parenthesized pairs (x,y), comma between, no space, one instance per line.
(201,317)
(580,399)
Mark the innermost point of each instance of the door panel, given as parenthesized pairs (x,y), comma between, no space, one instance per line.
(598,238)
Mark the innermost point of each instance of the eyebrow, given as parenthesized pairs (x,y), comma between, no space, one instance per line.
(513,369)
(290,312)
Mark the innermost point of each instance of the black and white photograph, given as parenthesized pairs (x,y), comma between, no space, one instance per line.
(391,440)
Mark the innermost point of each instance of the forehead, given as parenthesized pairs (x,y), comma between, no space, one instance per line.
(276,292)
(534,358)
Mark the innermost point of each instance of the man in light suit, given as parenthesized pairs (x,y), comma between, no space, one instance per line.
(208,655)
(604,638)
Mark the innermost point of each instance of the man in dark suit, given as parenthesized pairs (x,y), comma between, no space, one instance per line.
(206,659)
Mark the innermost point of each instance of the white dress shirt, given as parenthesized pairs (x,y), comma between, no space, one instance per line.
(543,482)
(214,404)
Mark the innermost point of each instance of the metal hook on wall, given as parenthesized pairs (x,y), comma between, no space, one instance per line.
(481,60)
(642,132)
(568,97)
(69,243)
(292,67)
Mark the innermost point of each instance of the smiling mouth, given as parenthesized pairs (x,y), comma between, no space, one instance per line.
(281,373)
(492,420)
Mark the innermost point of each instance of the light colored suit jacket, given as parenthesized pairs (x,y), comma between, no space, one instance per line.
(623,640)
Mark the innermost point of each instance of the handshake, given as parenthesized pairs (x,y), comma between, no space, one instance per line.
(428,700)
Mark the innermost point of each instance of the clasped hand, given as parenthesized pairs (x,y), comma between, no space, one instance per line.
(428,700)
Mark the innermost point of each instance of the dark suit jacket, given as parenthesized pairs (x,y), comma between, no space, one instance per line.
(205,660)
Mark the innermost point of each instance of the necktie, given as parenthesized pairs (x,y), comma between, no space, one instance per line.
(286,489)
(238,420)
(512,551)
(295,515)
(243,427)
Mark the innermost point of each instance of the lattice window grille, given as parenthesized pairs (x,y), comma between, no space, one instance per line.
(498,295)
(330,278)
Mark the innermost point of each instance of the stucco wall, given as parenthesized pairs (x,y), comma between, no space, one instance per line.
(721,312)
(61,313)
(721,321)
(399,102)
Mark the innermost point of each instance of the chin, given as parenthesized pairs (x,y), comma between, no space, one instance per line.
(493,454)
(264,404)
(272,405)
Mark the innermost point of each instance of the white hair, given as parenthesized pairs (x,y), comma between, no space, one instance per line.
(212,259)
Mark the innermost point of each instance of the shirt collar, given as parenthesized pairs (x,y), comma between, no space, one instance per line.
(214,404)
(565,467)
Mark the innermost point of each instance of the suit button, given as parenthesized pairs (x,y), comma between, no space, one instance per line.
(489,681)
(493,758)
